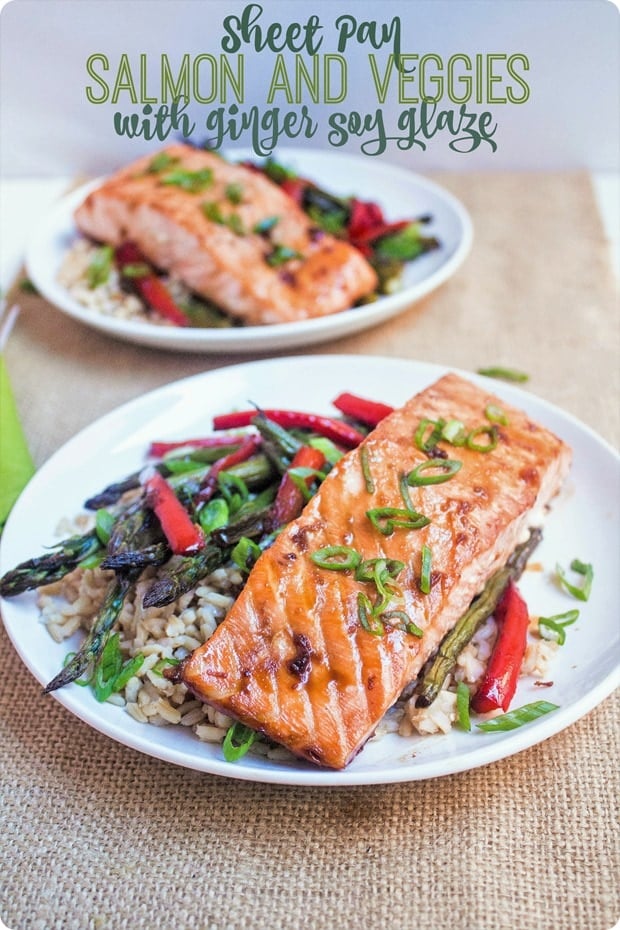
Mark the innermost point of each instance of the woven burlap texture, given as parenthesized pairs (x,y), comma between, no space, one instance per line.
(98,837)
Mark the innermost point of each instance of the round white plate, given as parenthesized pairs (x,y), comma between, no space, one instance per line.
(401,194)
(583,524)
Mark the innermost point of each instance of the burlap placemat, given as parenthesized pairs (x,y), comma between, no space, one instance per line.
(98,837)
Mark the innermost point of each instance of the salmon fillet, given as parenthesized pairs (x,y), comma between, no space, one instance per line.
(292,660)
(222,258)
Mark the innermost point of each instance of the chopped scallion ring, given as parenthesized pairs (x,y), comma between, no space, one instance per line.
(517,717)
(454,432)
(336,558)
(368,479)
(495,414)
(387,519)
(403,622)
(506,374)
(581,593)
(552,628)
(447,469)
(237,741)
(462,706)
(370,622)
(425,571)
(490,431)
(428,444)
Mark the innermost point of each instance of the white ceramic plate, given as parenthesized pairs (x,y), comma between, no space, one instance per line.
(401,194)
(584,524)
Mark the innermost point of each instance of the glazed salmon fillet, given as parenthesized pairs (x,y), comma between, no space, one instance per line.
(292,659)
(177,207)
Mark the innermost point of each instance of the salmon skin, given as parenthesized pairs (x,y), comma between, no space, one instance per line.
(225,231)
(292,659)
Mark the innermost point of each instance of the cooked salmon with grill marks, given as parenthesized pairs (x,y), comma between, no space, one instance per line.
(292,660)
(223,258)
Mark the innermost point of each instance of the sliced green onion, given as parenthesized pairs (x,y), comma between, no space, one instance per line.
(462,706)
(336,558)
(495,414)
(164,663)
(370,622)
(552,628)
(245,554)
(104,521)
(214,515)
(490,431)
(299,476)
(234,193)
(233,489)
(427,443)
(136,270)
(107,669)
(331,452)
(160,161)
(128,670)
(449,468)
(235,223)
(387,519)
(505,374)
(454,432)
(425,571)
(582,593)
(517,717)
(404,622)
(366,570)
(192,181)
(266,225)
(213,212)
(368,479)
(281,254)
(237,741)
(404,493)
(99,267)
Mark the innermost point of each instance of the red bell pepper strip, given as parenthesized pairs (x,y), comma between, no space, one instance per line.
(159,449)
(289,501)
(498,686)
(381,229)
(184,537)
(209,483)
(369,412)
(364,215)
(152,290)
(292,419)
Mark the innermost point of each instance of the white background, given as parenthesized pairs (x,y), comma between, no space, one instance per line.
(571,120)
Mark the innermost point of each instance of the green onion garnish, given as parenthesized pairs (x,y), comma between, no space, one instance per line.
(552,628)
(424,442)
(462,706)
(518,717)
(237,741)
(99,267)
(582,568)
(331,452)
(234,193)
(366,570)
(505,374)
(192,181)
(299,476)
(92,561)
(136,270)
(370,622)
(235,224)
(212,212)
(104,521)
(490,431)
(368,479)
(336,558)
(233,489)
(387,519)
(110,673)
(495,414)
(449,468)
(164,663)
(161,161)
(266,225)
(213,515)
(425,571)
(245,554)
(454,432)
(281,254)
(403,622)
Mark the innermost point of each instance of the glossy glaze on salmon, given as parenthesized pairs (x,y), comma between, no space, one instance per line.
(292,659)
(206,237)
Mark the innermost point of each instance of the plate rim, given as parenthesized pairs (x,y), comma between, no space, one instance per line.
(56,220)
(518,740)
